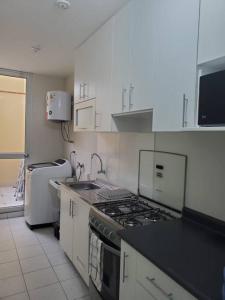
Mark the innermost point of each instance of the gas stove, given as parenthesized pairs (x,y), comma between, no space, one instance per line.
(110,216)
(133,212)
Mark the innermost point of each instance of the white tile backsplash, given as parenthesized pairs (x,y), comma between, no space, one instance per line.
(206,168)
(119,152)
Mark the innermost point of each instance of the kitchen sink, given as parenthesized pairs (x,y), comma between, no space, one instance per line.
(83,186)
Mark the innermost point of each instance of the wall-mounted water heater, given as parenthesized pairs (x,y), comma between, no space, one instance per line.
(58,106)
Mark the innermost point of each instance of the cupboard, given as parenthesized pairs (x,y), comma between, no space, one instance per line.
(74,232)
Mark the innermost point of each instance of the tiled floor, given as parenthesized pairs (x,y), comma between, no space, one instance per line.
(7,198)
(33,265)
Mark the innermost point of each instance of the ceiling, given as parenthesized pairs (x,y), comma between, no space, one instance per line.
(29,23)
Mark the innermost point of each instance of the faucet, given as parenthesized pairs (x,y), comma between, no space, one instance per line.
(101,171)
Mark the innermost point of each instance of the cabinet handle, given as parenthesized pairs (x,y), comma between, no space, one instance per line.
(185,106)
(97,124)
(123,98)
(124,266)
(153,282)
(130,96)
(80,90)
(70,208)
(80,261)
(84,87)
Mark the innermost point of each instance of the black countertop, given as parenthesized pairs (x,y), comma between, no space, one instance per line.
(188,252)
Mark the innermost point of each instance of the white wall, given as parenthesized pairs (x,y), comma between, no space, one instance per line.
(206,168)
(119,152)
(44,138)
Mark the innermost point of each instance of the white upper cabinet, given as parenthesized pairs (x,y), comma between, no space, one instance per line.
(142,35)
(103,76)
(144,58)
(121,60)
(175,63)
(85,69)
(132,58)
(93,75)
(211,33)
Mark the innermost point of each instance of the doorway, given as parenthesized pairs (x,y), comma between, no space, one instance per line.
(12,141)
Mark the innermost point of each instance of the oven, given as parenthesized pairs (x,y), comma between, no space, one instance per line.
(110,267)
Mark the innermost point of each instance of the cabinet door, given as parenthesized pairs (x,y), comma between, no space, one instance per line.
(79,71)
(102,54)
(211,32)
(84,116)
(142,294)
(142,56)
(66,223)
(81,237)
(157,283)
(127,272)
(85,69)
(121,60)
(175,57)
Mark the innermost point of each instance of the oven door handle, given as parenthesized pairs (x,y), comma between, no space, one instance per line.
(110,249)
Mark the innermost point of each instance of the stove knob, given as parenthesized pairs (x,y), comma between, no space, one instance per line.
(100,227)
(111,235)
(105,231)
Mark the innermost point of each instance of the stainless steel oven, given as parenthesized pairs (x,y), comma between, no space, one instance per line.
(110,265)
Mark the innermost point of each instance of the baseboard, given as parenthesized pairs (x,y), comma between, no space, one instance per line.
(38,225)
(14,214)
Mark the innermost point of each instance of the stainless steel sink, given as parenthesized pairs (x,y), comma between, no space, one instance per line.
(83,186)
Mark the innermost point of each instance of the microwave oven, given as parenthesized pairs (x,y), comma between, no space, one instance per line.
(211,109)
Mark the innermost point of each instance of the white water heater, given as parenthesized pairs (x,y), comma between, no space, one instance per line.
(58,106)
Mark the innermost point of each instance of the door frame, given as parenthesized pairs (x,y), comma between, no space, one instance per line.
(28,77)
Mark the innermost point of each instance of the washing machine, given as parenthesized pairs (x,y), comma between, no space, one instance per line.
(41,206)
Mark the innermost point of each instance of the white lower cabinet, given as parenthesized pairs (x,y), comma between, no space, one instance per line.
(81,237)
(127,272)
(140,279)
(66,223)
(74,232)
(142,293)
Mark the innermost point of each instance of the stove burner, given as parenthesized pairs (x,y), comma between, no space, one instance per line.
(152,217)
(111,211)
(131,223)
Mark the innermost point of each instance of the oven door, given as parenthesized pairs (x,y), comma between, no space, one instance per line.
(110,271)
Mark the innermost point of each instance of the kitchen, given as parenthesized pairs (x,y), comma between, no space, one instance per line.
(140,127)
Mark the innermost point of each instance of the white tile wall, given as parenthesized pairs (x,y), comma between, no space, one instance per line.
(206,168)
(119,152)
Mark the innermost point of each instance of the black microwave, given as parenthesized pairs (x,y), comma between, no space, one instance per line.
(211,111)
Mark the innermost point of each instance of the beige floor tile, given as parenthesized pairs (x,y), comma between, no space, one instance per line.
(11,286)
(30,251)
(65,271)
(10,269)
(40,278)
(75,288)
(34,263)
(51,292)
(8,256)
(23,296)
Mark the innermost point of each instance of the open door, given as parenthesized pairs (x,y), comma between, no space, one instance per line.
(13,90)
